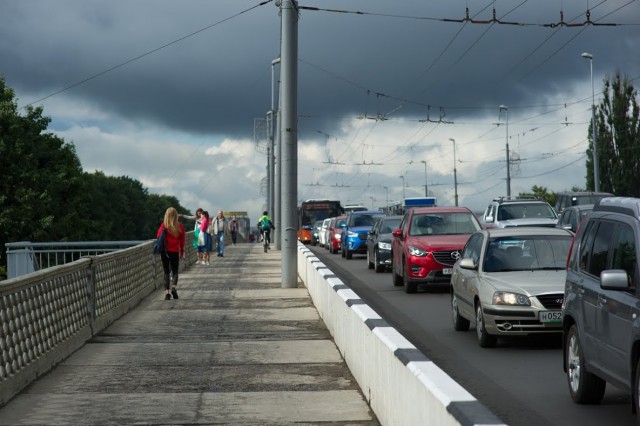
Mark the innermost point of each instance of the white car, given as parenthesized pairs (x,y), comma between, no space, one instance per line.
(322,235)
(510,282)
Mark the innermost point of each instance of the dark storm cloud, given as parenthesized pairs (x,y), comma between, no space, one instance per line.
(218,80)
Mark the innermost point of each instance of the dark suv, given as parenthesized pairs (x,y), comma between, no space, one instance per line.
(601,309)
(354,233)
(569,199)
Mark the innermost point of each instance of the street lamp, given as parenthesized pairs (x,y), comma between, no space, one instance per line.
(402,177)
(387,190)
(594,133)
(504,107)
(455,172)
(426,192)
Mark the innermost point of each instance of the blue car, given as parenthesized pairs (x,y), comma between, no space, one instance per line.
(355,231)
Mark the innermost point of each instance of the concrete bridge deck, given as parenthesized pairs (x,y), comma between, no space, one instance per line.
(235,348)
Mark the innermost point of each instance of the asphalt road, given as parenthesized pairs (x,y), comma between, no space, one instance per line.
(521,380)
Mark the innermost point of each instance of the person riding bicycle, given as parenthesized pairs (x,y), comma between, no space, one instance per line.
(265,225)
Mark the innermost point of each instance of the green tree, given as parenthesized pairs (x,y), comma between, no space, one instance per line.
(541,193)
(45,196)
(618,130)
(39,175)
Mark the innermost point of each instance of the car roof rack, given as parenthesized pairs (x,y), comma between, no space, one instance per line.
(625,205)
(516,198)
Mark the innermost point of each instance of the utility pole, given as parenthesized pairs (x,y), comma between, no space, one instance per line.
(504,107)
(289,140)
(455,172)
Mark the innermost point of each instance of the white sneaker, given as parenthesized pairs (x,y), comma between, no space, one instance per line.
(207,263)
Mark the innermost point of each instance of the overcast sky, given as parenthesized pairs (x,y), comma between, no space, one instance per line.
(168,92)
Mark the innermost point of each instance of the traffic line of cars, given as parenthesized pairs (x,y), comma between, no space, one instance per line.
(518,270)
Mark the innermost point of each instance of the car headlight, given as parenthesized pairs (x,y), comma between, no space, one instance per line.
(418,252)
(508,298)
(384,246)
(352,234)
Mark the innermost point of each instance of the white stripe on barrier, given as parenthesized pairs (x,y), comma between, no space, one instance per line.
(365,312)
(439,383)
(392,339)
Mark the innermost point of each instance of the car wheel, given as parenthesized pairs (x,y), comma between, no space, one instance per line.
(348,254)
(485,340)
(397,279)
(459,323)
(376,262)
(342,251)
(584,387)
(409,287)
(369,262)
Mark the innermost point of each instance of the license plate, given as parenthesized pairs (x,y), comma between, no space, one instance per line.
(447,271)
(550,316)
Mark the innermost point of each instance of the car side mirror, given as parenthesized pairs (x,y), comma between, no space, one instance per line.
(488,219)
(468,264)
(614,279)
(397,233)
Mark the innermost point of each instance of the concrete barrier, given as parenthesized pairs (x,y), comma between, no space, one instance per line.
(402,385)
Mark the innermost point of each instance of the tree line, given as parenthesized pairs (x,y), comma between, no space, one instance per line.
(45,196)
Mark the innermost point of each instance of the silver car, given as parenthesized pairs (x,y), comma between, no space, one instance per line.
(510,282)
(507,212)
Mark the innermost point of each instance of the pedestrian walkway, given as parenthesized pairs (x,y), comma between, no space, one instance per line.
(235,348)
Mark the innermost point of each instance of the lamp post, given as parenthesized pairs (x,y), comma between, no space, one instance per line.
(387,190)
(594,132)
(455,172)
(504,107)
(402,177)
(426,192)
(271,192)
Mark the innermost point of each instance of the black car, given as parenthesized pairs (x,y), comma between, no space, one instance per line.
(379,243)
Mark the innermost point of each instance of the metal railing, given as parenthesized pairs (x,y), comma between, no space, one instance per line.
(26,257)
(48,314)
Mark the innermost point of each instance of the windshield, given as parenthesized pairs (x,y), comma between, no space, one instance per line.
(539,252)
(364,219)
(443,224)
(526,211)
(388,225)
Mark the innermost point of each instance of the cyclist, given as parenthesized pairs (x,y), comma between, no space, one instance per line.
(265,225)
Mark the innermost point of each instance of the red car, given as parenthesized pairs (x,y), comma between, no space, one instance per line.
(427,244)
(333,236)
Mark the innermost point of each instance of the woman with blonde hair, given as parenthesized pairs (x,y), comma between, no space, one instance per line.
(174,244)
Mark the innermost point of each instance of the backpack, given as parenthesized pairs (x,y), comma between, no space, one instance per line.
(160,244)
(266,224)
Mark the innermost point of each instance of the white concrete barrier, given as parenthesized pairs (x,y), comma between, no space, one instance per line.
(401,385)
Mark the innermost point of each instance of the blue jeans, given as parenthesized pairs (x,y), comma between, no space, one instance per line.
(220,242)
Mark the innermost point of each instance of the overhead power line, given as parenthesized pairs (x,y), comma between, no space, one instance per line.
(115,67)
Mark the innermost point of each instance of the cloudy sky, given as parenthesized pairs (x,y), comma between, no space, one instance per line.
(171,92)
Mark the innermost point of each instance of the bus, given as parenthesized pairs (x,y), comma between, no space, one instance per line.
(311,211)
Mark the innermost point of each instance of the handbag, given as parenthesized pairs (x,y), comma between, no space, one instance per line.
(201,241)
(159,245)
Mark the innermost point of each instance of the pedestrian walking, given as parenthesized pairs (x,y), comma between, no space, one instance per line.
(204,239)
(196,230)
(233,229)
(219,225)
(174,246)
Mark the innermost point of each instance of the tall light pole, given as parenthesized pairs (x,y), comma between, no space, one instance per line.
(504,107)
(426,191)
(387,190)
(455,172)
(594,132)
(271,206)
(402,177)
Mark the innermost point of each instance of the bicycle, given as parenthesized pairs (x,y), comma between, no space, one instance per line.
(266,239)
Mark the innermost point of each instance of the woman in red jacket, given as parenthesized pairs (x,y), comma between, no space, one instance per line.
(174,244)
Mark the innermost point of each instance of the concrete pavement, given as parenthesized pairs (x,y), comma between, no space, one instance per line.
(235,348)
